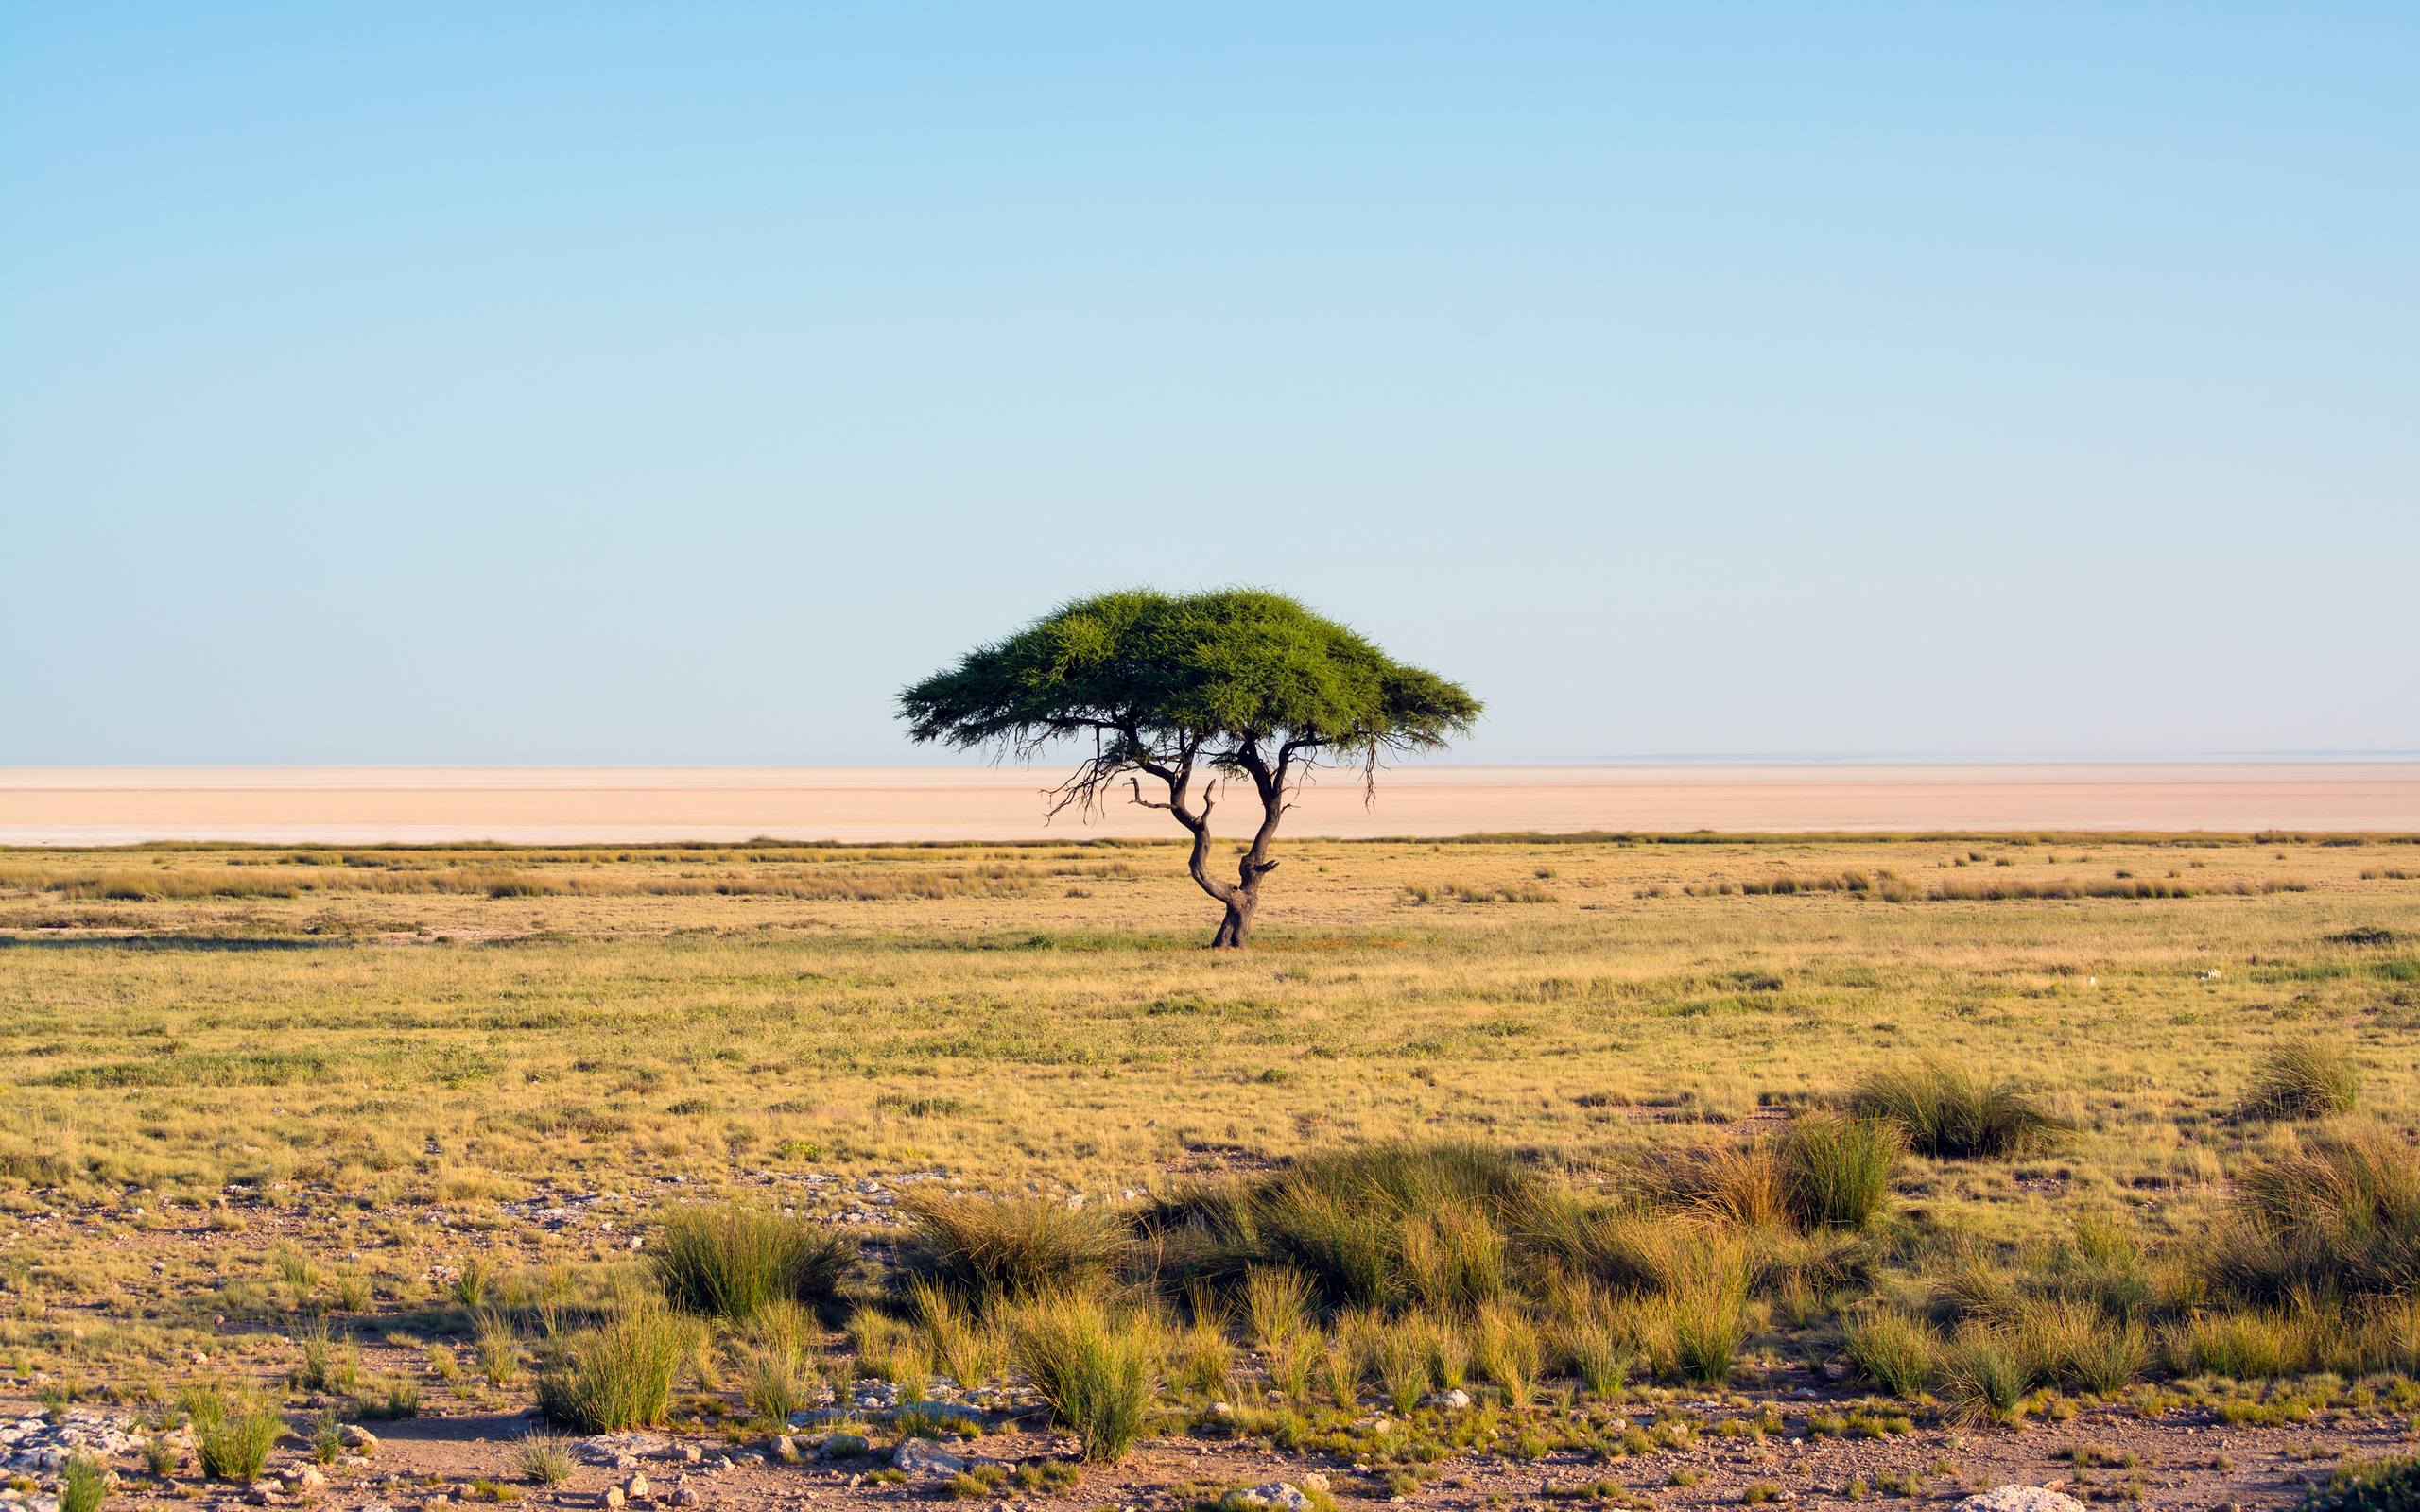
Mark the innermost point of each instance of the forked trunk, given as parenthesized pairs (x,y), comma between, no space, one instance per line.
(1236,926)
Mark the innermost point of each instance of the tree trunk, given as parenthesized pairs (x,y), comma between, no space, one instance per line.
(1236,926)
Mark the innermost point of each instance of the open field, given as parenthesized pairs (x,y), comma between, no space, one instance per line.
(388,1127)
(616,805)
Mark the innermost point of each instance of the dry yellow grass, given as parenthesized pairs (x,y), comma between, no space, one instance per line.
(386,1022)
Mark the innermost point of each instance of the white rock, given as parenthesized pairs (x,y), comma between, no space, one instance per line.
(922,1456)
(2019,1499)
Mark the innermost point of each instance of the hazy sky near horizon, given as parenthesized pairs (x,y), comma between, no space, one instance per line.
(583,383)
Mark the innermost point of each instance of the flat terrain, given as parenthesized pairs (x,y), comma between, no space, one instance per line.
(239,1084)
(563,805)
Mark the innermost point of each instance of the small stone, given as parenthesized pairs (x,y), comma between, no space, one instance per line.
(353,1435)
(685,1496)
(636,1488)
(612,1498)
(261,1493)
(1453,1401)
(1275,1496)
(691,1453)
(785,1450)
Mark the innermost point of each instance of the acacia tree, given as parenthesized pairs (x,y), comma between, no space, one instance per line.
(1226,685)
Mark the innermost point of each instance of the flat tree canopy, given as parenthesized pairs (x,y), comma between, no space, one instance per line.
(1234,683)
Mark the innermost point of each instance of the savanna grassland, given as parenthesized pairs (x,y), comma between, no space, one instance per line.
(1910,1125)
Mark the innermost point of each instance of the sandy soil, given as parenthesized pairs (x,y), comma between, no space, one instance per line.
(565,806)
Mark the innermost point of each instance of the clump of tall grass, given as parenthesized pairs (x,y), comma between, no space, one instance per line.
(2337,1217)
(1373,1226)
(962,1347)
(2372,1485)
(617,1375)
(83,1483)
(1205,1357)
(1506,1352)
(1691,1328)
(774,1381)
(545,1459)
(1836,1172)
(2071,1343)
(1277,1304)
(1893,1349)
(1741,1184)
(1949,1112)
(1592,1348)
(990,1251)
(1403,1368)
(1098,1370)
(2246,1346)
(233,1433)
(2302,1078)
(729,1261)
(1982,1378)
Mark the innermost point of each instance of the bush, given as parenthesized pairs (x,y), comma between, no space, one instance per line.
(730,1262)
(1948,1112)
(2339,1218)
(2376,1485)
(1836,1172)
(993,1250)
(233,1435)
(617,1375)
(1896,1350)
(1096,1370)
(2302,1078)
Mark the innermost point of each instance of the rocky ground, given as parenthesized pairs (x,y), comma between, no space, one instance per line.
(2184,1457)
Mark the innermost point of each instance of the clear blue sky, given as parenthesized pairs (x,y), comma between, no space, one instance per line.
(432,382)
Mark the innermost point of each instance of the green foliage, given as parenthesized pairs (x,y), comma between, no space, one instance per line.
(1949,1112)
(1156,668)
(1982,1378)
(732,1262)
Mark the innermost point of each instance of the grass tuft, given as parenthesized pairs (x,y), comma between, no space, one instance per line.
(732,1262)
(2302,1078)
(994,1250)
(1948,1112)
(617,1375)
(1096,1369)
